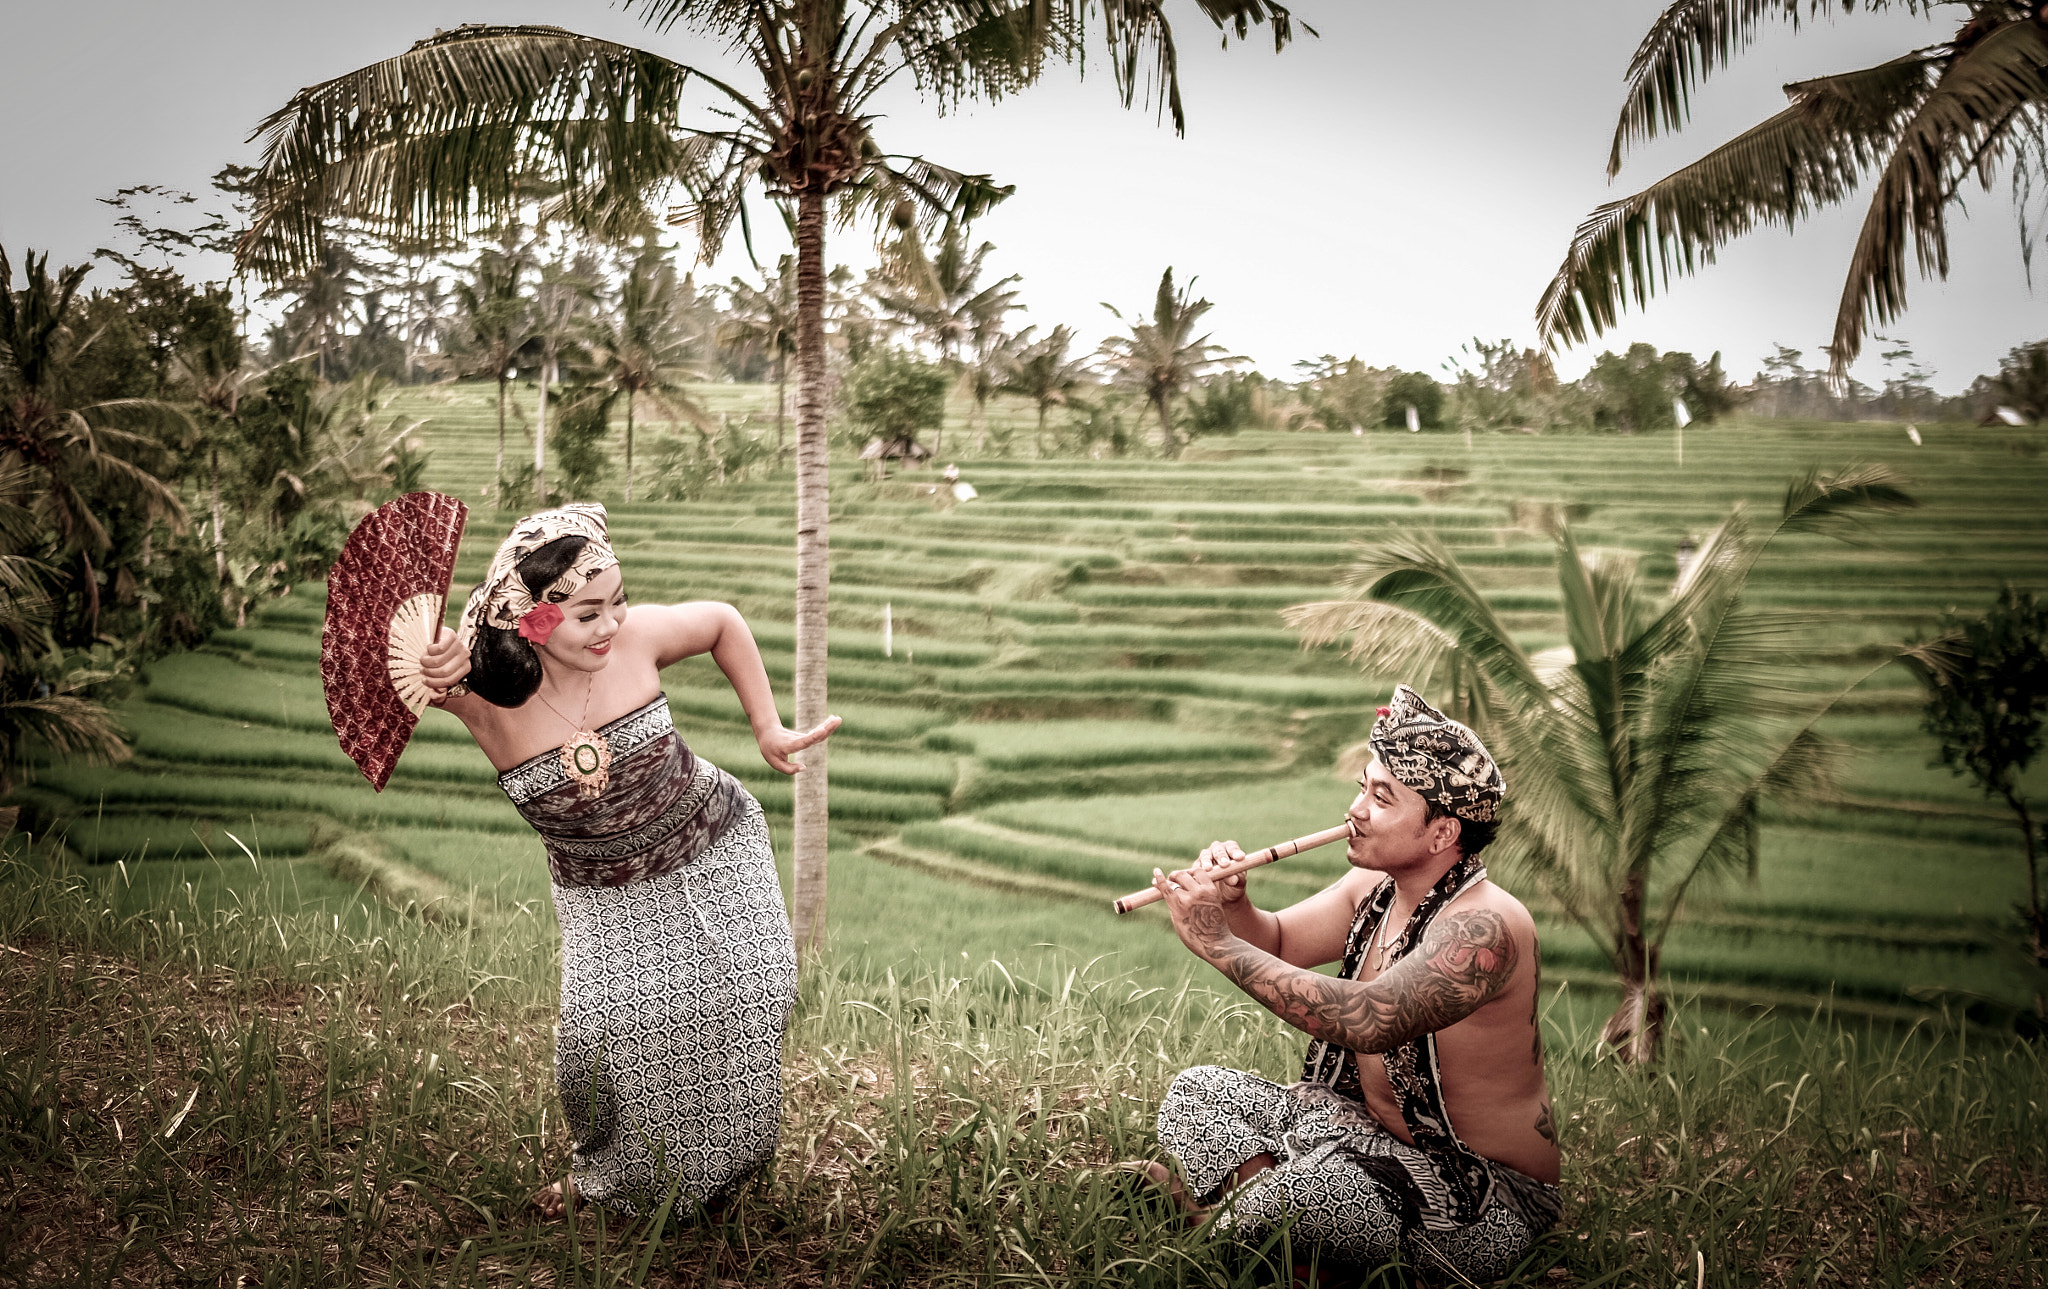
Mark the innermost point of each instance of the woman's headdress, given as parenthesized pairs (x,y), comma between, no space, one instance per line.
(501,600)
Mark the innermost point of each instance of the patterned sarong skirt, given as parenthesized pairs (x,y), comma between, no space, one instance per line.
(675,993)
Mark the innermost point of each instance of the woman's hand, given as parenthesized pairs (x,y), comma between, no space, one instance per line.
(779,744)
(445,662)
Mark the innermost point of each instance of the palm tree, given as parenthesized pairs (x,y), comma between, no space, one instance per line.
(1163,357)
(427,302)
(763,318)
(352,444)
(642,348)
(561,308)
(1639,754)
(326,300)
(434,139)
(493,322)
(1041,371)
(1922,123)
(940,300)
(59,458)
(213,368)
(58,712)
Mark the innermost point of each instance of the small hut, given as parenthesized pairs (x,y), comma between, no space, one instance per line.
(907,453)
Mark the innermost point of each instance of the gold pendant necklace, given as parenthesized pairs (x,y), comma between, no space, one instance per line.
(587,756)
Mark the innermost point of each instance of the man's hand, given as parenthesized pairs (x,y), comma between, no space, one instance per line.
(1217,854)
(779,744)
(445,662)
(1199,904)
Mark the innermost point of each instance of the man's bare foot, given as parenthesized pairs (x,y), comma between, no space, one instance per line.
(1169,1181)
(550,1203)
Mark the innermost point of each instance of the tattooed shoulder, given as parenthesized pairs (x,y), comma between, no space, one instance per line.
(1474,951)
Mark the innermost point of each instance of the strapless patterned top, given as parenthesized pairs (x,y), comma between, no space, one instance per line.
(664,806)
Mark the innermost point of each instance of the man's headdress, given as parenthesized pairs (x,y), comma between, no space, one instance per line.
(501,600)
(1440,759)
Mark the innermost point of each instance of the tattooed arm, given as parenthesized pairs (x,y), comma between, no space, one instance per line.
(1466,959)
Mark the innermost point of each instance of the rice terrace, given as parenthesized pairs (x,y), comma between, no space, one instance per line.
(587,702)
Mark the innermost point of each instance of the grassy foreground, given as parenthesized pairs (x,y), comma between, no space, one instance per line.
(248,1093)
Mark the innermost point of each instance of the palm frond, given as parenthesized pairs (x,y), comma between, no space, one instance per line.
(937,193)
(1602,599)
(1820,500)
(1935,662)
(959,51)
(450,132)
(1809,156)
(715,170)
(1959,128)
(1710,588)
(70,725)
(1691,40)
(1136,29)
(1802,770)
(1416,571)
(1386,641)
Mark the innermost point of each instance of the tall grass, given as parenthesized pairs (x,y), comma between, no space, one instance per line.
(248,1094)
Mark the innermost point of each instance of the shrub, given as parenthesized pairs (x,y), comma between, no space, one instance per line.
(580,460)
(1342,395)
(1230,403)
(1417,390)
(895,396)
(1636,391)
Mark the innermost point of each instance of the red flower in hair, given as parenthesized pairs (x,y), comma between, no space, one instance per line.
(539,622)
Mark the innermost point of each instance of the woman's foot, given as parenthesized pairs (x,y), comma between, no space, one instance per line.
(551,1202)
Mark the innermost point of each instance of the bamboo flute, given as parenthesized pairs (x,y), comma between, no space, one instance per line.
(1151,895)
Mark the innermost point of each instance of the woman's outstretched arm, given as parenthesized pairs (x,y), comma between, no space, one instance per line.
(679,631)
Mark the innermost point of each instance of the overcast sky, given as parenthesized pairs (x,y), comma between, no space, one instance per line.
(1407,181)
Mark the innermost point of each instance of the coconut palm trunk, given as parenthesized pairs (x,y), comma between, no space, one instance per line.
(1167,443)
(498,478)
(220,545)
(540,431)
(813,573)
(1636,1029)
(629,445)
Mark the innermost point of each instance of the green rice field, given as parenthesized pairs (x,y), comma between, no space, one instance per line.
(1088,675)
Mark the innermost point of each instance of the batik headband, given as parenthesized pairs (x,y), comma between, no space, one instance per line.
(1444,762)
(501,600)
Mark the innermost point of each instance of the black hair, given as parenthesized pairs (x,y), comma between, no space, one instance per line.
(1473,836)
(504,668)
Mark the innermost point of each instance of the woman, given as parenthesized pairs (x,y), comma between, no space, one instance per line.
(678,971)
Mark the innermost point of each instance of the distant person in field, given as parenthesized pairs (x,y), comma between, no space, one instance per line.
(678,971)
(1421,1129)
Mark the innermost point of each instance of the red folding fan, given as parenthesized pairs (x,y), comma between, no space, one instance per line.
(385,599)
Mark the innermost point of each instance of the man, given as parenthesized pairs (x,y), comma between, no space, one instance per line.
(1421,1130)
